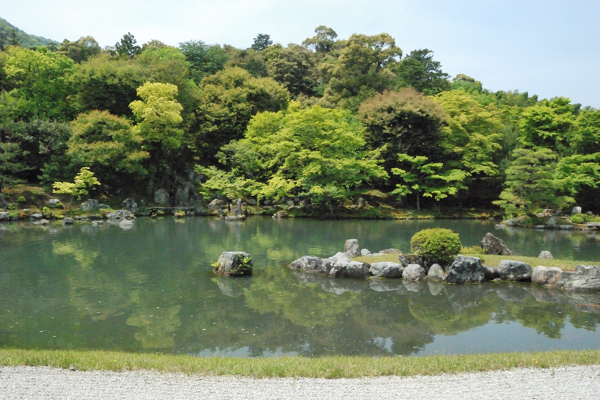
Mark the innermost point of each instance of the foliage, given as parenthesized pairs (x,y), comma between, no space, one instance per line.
(261,42)
(548,124)
(80,50)
(418,70)
(427,179)
(437,245)
(21,199)
(203,59)
(580,218)
(84,182)
(323,42)
(127,46)
(315,153)
(294,67)
(23,39)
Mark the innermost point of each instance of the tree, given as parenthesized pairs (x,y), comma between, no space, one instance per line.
(227,101)
(80,50)
(108,144)
(586,136)
(315,153)
(83,183)
(39,83)
(261,42)
(13,40)
(127,46)
(530,183)
(578,176)
(365,67)
(294,67)
(323,42)
(426,179)
(420,71)
(548,124)
(250,60)
(404,122)
(203,59)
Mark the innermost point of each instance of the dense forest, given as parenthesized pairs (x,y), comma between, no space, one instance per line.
(325,121)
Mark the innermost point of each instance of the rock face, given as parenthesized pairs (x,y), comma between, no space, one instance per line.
(161,197)
(514,270)
(234,263)
(493,245)
(546,255)
(465,270)
(585,277)
(90,205)
(413,272)
(351,248)
(130,205)
(436,273)
(386,270)
(547,276)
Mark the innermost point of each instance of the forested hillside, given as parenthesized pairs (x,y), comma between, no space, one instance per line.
(10,34)
(324,120)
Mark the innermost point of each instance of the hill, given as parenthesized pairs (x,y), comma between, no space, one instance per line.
(26,40)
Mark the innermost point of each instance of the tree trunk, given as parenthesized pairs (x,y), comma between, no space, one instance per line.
(418,203)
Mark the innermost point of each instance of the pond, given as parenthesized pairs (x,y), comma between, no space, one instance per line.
(151,289)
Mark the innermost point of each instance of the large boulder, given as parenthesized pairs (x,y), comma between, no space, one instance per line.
(465,270)
(4,216)
(351,248)
(386,270)
(547,276)
(161,197)
(130,205)
(308,264)
(585,277)
(514,270)
(436,273)
(90,205)
(493,245)
(414,272)
(576,210)
(234,263)
(546,255)
(340,266)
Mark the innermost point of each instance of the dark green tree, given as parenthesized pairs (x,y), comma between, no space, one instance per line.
(294,67)
(127,46)
(261,42)
(323,42)
(420,71)
(13,40)
(204,59)
(80,50)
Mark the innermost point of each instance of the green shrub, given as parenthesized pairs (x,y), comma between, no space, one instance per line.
(436,245)
(46,212)
(580,218)
(21,199)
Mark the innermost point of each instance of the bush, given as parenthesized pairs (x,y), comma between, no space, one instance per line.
(580,218)
(436,245)
(21,199)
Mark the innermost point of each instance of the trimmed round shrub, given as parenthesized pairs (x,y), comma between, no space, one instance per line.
(436,245)
(580,218)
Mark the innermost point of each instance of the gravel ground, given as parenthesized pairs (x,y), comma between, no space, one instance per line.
(580,382)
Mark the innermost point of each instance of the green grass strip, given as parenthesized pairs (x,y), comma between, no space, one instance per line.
(325,367)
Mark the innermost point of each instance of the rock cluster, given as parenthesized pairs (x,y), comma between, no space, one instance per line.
(234,263)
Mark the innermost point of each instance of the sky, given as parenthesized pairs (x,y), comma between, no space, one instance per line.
(550,48)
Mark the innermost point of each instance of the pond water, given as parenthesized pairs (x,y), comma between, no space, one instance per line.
(151,289)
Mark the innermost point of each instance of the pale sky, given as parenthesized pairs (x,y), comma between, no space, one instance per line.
(546,47)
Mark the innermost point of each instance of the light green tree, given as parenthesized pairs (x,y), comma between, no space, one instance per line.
(426,179)
(83,183)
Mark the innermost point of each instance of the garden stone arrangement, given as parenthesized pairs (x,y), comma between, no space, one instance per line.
(463,270)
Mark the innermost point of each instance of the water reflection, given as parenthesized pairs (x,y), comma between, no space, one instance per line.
(151,289)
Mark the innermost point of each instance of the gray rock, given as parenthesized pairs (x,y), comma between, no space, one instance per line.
(238,208)
(551,222)
(593,225)
(120,214)
(546,255)
(216,204)
(365,252)
(413,272)
(199,209)
(339,266)
(252,202)
(234,263)
(490,273)
(280,214)
(493,245)
(68,221)
(566,227)
(36,216)
(436,273)
(540,227)
(161,197)
(547,276)
(90,205)
(308,264)
(3,216)
(103,206)
(514,270)
(576,210)
(53,202)
(585,277)
(351,248)
(386,270)
(465,270)
(126,224)
(130,205)
(406,259)
(390,251)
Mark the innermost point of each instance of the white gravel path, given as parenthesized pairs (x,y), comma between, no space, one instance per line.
(581,382)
